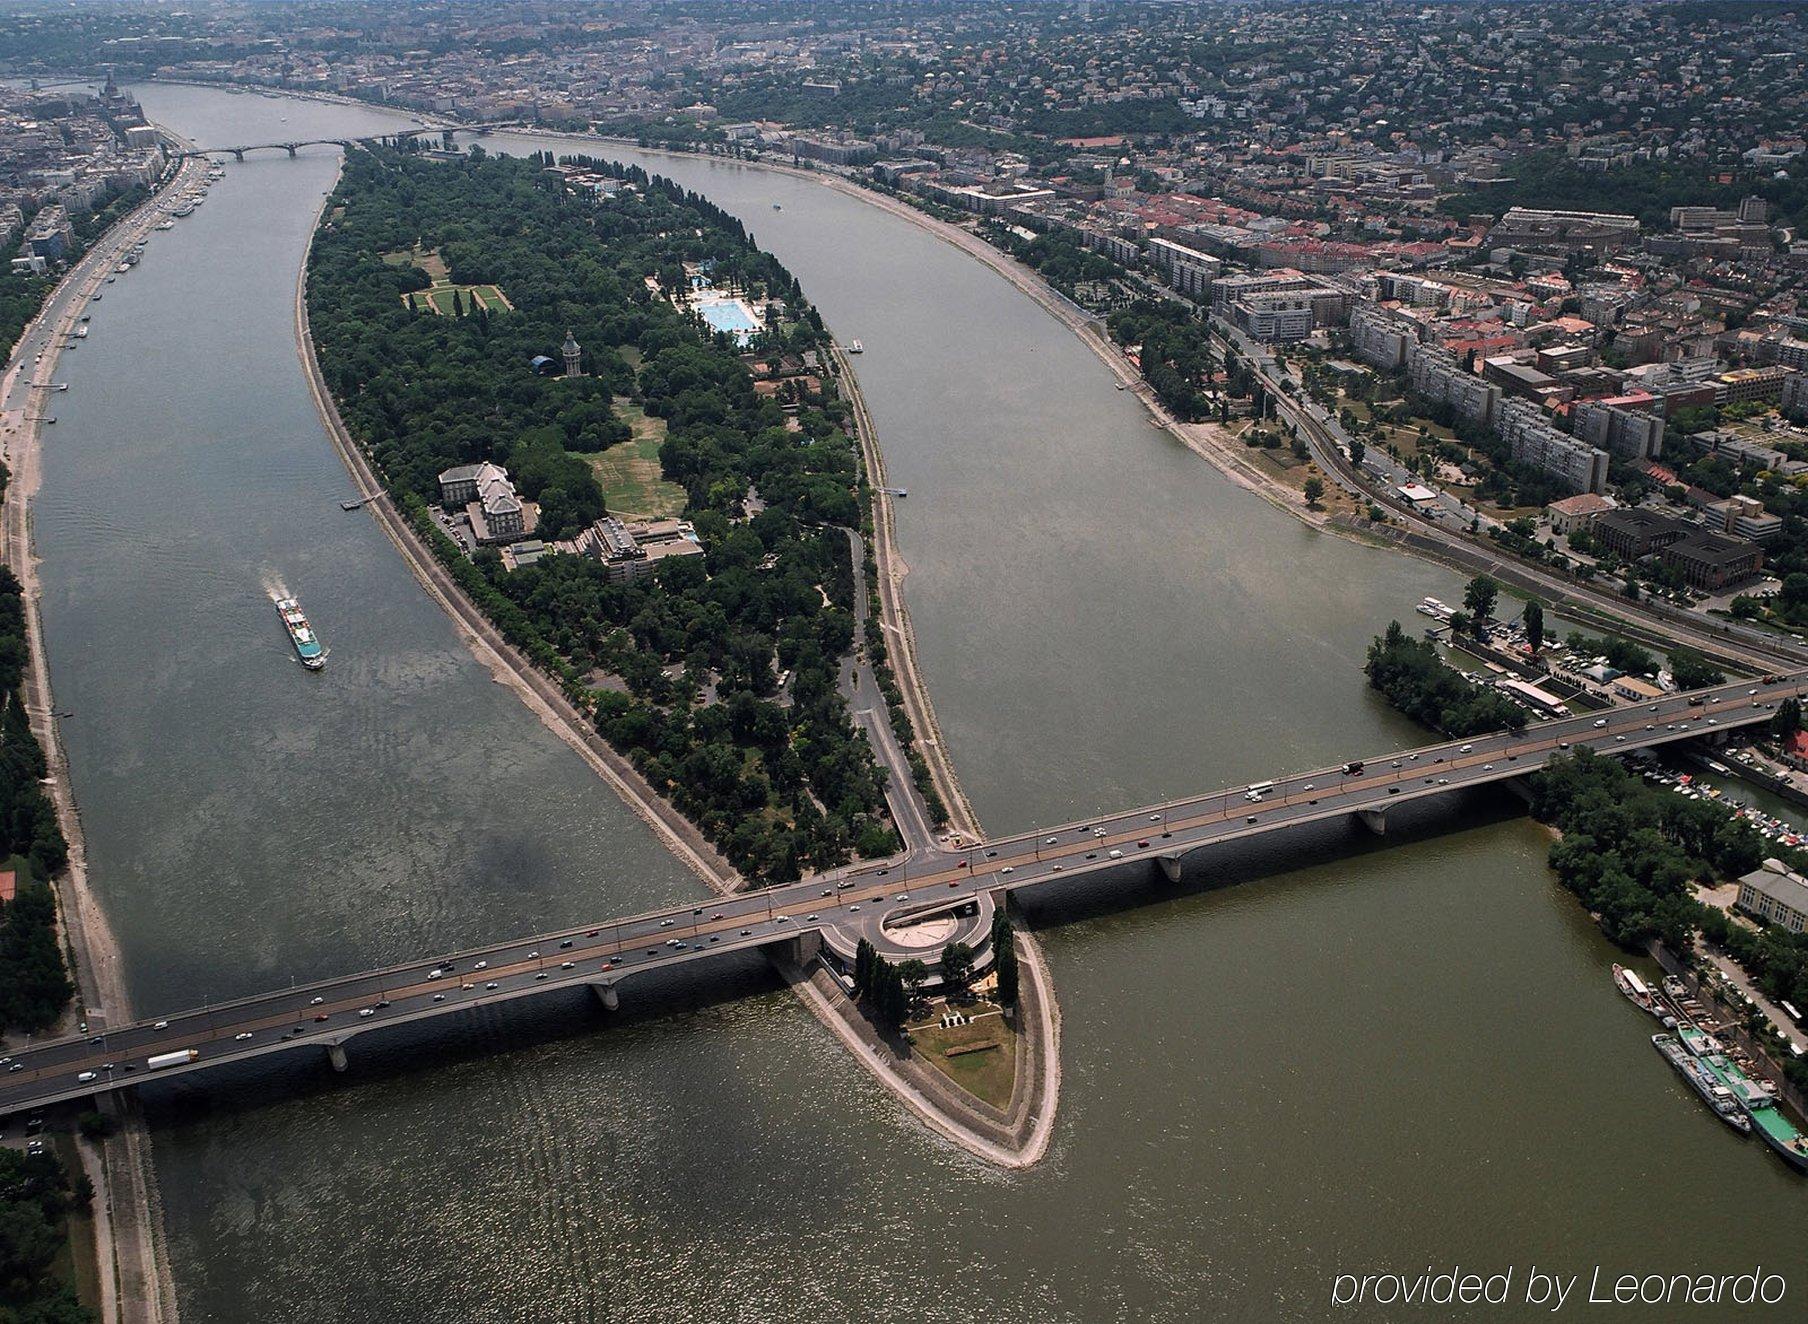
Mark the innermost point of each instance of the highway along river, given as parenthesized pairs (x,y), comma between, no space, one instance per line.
(1362,1059)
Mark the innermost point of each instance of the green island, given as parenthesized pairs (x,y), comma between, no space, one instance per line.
(1415,680)
(716,675)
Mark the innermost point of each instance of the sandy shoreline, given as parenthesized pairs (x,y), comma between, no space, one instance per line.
(134,1283)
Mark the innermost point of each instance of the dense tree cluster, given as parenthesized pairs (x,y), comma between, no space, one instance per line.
(1060,259)
(1646,189)
(34,983)
(1176,354)
(956,966)
(1691,671)
(1417,682)
(36,1197)
(884,986)
(684,669)
(1621,654)
(1631,851)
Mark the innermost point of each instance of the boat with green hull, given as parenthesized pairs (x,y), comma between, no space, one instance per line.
(1758,1098)
(301,634)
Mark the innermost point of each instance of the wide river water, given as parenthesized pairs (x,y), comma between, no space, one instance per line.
(1362,1057)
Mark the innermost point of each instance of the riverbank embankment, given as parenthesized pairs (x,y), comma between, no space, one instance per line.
(132,1277)
(894,615)
(1018,1135)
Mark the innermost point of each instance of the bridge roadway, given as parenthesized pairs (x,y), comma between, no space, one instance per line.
(444,131)
(845,905)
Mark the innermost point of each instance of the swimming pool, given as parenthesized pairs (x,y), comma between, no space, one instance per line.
(730,315)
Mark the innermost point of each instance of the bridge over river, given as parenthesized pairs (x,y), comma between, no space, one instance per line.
(904,907)
(445,133)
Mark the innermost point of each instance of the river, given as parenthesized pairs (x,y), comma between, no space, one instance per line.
(1364,1057)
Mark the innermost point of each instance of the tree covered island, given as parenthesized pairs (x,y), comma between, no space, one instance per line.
(441,295)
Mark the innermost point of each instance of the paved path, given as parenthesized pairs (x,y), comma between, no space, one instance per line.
(867,703)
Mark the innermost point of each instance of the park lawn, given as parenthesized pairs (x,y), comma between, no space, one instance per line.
(632,480)
(989,1076)
(438,296)
(633,484)
(427,259)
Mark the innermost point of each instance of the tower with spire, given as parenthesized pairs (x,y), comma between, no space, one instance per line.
(572,356)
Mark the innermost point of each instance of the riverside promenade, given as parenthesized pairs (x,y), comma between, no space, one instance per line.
(131,1285)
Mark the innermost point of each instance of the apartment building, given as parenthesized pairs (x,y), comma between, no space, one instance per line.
(1616,427)
(1436,375)
(1583,468)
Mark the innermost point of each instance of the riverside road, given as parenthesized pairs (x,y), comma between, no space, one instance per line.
(847,905)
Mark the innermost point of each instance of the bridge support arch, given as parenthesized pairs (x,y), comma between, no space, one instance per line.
(335,1054)
(238,154)
(607,995)
(1169,866)
(1375,820)
(290,149)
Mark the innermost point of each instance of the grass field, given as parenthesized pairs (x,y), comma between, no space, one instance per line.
(630,474)
(989,1074)
(438,296)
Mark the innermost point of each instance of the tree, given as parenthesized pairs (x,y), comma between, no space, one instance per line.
(1788,718)
(1004,958)
(1691,671)
(914,974)
(957,965)
(1479,597)
(1315,488)
(1795,589)
(864,957)
(1357,451)
(1534,624)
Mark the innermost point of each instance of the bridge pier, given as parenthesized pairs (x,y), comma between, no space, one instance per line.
(1170,867)
(803,949)
(607,995)
(335,1054)
(290,148)
(1375,820)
